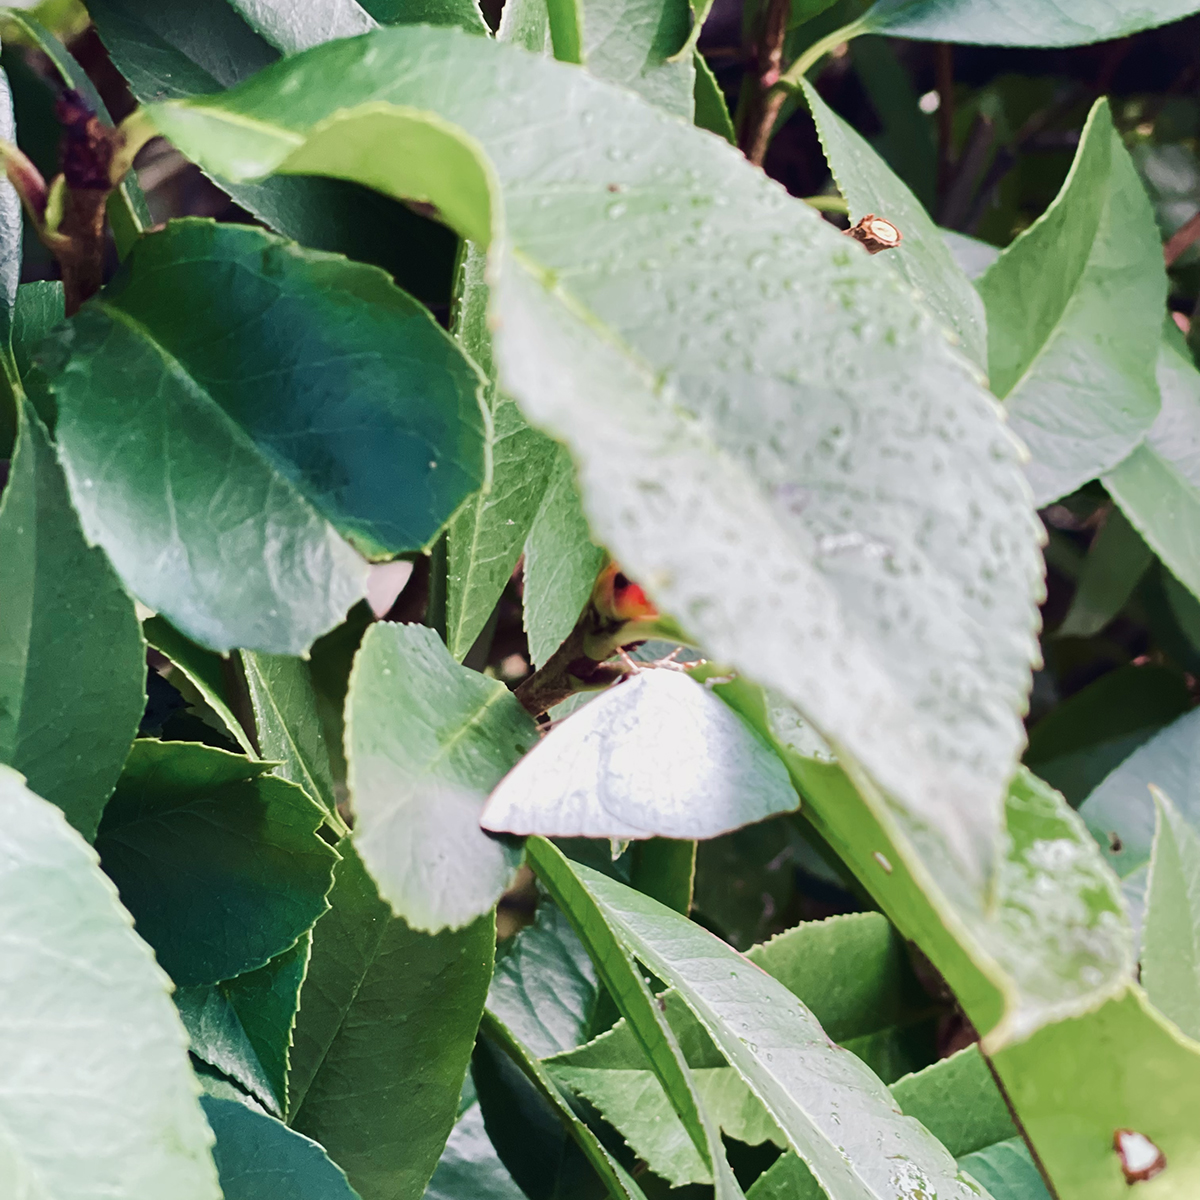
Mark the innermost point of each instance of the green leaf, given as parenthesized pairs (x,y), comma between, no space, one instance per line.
(544,988)
(469,1168)
(1170,952)
(383,1037)
(712,113)
(656,756)
(1075,365)
(1091,732)
(756,547)
(265,566)
(204,669)
(10,247)
(243,1026)
(1117,559)
(219,863)
(426,741)
(288,720)
(1020,22)
(1007,1170)
(98,1099)
(164,57)
(835,1113)
(463,13)
(1158,485)
(260,1158)
(38,310)
(485,539)
(290,28)
(72,659)
(922,260)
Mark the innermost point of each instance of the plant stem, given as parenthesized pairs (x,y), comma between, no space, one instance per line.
(755,135)
(790,80)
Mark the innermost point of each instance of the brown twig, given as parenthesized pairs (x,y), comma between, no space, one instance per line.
(755,134)
(1186,235)
(875,234)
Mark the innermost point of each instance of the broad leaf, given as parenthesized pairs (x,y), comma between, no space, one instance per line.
(1116,561)
(243,1026)
(469,1168)
(1158,485)
(1074,310)
(72,659)
(98,1099)
(387,1019)
(426,741)
(219,863)
(922,259)
(545,988)
(657,756)
(1170,945)
(758,547)
(221,489)
(1020,22)
(834,1112)
(561,563)
(207,671)
(463,13)
(288,720)
(259,1158)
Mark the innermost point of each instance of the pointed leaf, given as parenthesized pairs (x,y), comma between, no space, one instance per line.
(265,567)
(1117,559)
(656,756)
(426,740)
(72,659)
(1074,309)
(260,1158)
(758,547)
(1020,22)
(922,259)
(712,113)
(219,863)
(384,1034)
(98,1100)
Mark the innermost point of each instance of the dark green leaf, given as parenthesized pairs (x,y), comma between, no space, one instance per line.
(469,1168)
(665,868)
(1116,561)
(253,442)
(243,1026)
(1020,22)
(1074,313)
(387,1019)
(72,659)
(98,1099)
(219,863)
(259,1158)
(922,259)
(464,13)
(1007,1170)
(427,740)
(712,113)
(38,310)
(750,543)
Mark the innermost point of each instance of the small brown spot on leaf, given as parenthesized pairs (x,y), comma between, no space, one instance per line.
(614,187)
(1114,842)
(875,234)
(1140,1158)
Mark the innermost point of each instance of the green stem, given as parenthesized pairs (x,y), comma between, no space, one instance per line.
(566,30)
(790,79)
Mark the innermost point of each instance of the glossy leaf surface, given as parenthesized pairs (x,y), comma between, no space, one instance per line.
(709,511)
(656,756)
(219,863)
(383,1037)
(72,659)
(349,412)
(98,1099)
(1074,308)
(427,739)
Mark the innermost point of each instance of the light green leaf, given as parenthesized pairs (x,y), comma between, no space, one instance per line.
(72,659)
(485,540)
(757,547)
(656,756)
(973,256)
(243,1026)
(1158,485)
(349,412)
(204,669)
(384,1034)
(712,113)
(288,720)
(98,1099)
(1007,1170)
(219,863)
(470,1168)
(1074,310)
(1170,950)
(1116,561)
(922,259)
(835,1113)
(1020,22)
(561,563)
(545,988)
(260,1158)
(426,741)
(290,27)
